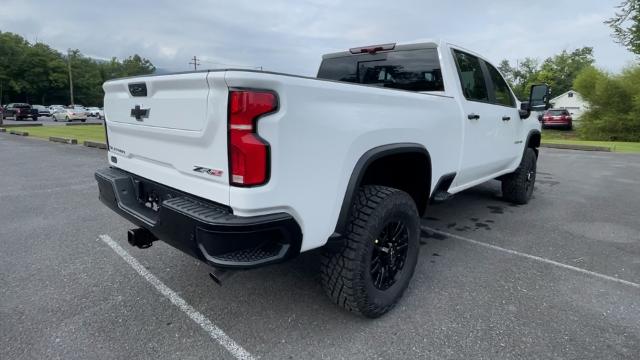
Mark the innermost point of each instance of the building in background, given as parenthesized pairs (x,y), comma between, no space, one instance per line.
(572,101)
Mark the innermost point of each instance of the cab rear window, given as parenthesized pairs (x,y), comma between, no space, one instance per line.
(413,70)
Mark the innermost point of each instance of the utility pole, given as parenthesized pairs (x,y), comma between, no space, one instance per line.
(70,77)
(195,62)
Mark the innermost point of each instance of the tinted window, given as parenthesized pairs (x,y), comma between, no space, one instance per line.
(501,90)
(472,79)
(558,112)
(414,70)
(21,106)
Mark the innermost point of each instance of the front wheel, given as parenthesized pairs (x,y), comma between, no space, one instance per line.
(517,187)
(374,266)
(67,119)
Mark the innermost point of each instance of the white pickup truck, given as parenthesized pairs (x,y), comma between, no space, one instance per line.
(242,169)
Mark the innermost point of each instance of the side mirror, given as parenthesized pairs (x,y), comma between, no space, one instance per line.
(539,97)
(524,110)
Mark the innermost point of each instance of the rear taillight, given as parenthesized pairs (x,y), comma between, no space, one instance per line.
(248,153)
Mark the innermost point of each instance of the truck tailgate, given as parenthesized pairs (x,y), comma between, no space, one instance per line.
(171,129)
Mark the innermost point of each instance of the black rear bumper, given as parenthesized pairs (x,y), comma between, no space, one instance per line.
(203,229)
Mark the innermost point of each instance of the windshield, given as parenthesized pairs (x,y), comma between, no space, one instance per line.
(413,70)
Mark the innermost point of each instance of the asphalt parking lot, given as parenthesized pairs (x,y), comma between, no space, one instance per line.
(558,278)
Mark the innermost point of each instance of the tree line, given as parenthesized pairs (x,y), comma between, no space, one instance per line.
(614,99)
(37,74)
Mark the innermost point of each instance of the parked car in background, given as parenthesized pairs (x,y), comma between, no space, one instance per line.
(558,118)
(69,114)
(95,112)
(42,110)
(19,111)
(53,108)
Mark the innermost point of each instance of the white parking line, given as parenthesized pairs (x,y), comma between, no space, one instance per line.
(536,258)
(215,332)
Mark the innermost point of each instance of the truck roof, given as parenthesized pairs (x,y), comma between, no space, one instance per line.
(421,44)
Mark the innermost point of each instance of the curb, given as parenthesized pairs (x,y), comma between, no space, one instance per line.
(20,125)
(63,140)
(82,124)
(94,144)
(576,147)
(20,133)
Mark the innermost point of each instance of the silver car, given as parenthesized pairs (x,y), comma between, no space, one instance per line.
(69,114)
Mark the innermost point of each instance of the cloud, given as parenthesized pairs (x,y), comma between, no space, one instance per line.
(291,36)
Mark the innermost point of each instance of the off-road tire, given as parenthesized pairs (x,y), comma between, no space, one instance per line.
(517,187)
(346,272)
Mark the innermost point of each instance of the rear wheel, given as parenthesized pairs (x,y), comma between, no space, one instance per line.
(371,271)
(67,119)
(517,187)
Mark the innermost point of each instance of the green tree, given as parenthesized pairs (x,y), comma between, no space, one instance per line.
(36,73)
(136,65)
(558,71)
(614,100)
(626,25)
(12,49)
(521,76)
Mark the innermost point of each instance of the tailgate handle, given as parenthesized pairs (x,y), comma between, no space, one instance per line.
(138,89)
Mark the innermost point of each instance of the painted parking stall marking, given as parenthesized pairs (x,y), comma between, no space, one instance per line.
(214,331)
(533,257)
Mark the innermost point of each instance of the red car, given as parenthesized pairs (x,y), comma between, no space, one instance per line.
(557,118)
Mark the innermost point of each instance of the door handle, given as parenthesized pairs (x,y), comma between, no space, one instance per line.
(506,118)
(473,116)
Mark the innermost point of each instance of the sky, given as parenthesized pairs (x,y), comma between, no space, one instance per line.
(291,36)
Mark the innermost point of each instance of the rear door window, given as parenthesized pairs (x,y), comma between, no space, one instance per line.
(413,70)
(472,80)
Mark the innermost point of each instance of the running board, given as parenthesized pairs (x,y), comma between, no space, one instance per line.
(440,197)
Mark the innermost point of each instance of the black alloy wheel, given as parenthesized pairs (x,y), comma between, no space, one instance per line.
(389,255)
